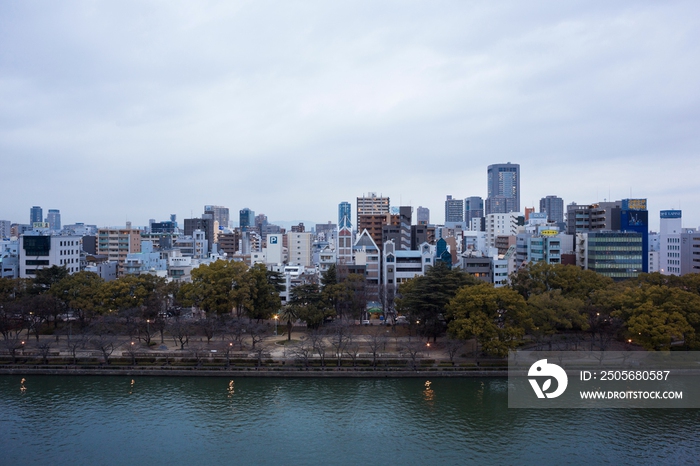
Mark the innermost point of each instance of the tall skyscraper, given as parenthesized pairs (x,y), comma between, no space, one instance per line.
(422,216)
(36,215)
(554,207)
(344,215)
(246,219)
(454,210)
(372,205)
(503,188)
(220,214)
(473,208)
(53,218)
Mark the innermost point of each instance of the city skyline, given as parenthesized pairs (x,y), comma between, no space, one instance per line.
(126,112)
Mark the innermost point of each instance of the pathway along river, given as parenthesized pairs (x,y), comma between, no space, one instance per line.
(96,420)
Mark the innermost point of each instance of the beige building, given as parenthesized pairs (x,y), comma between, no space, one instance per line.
(299,248)
(116,243)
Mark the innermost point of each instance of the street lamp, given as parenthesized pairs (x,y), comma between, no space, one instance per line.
(276,320)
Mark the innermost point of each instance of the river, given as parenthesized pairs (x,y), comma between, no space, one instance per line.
(100,420)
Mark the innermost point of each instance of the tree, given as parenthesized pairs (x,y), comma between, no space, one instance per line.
(424,299)
(307,302)
(264,294)
(81,294)
(496,317)
(377,340)
(46,277)
(571,281)
(220,288)
(44,350)
(552,313)
(289,315)
(319,344)
(340,337)
(656,316)
(256,332)
(303,350)
(181,331)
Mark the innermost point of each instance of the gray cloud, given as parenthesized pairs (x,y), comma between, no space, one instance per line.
(140,109)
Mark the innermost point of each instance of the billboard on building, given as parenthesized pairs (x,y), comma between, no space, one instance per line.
(670,214)
(634,204)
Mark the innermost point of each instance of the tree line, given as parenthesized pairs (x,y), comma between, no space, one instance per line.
(556,307)
(545,307)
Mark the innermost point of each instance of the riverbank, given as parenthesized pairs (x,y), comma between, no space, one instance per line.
(339,372)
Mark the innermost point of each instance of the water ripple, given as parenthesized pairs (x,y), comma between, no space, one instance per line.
(122,420)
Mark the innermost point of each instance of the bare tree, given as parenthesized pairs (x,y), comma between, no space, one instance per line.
(132,349)
(352,349)
(303,350)
(106,344)
(12,344)
(147,329)
(318,341)
(180,331)
(256,332)
(234,330)
(453,347)
(413,348)
(209,327)
(73,344)
(377,341)
(198,352)
(44,350)
(340,336)
(259,353)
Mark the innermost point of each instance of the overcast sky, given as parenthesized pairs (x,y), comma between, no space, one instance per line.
(115,111)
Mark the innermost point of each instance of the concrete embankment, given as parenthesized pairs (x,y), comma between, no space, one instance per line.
(329,372)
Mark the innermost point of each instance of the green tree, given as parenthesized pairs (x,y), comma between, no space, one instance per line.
(47,277)
(81,294)
(307,302)
(424,299)
(289,315)
(496,317)
(570,281)
(552,313)
(657,316)
(220,287)
(264,295)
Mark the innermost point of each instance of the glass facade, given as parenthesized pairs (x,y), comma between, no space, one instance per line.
(37,245)
(618,255)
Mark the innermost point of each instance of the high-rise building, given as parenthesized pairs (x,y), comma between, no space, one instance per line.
(246,219)
(205,224)
(344,215)
(473,208)
(454,210)
(5,226)
(503,188)
(670,242)
(422,216)
(117,243)
(372,205)
(219,213)
(36,215)
(53,218)
(615,254)
(299,247)
(554,207)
